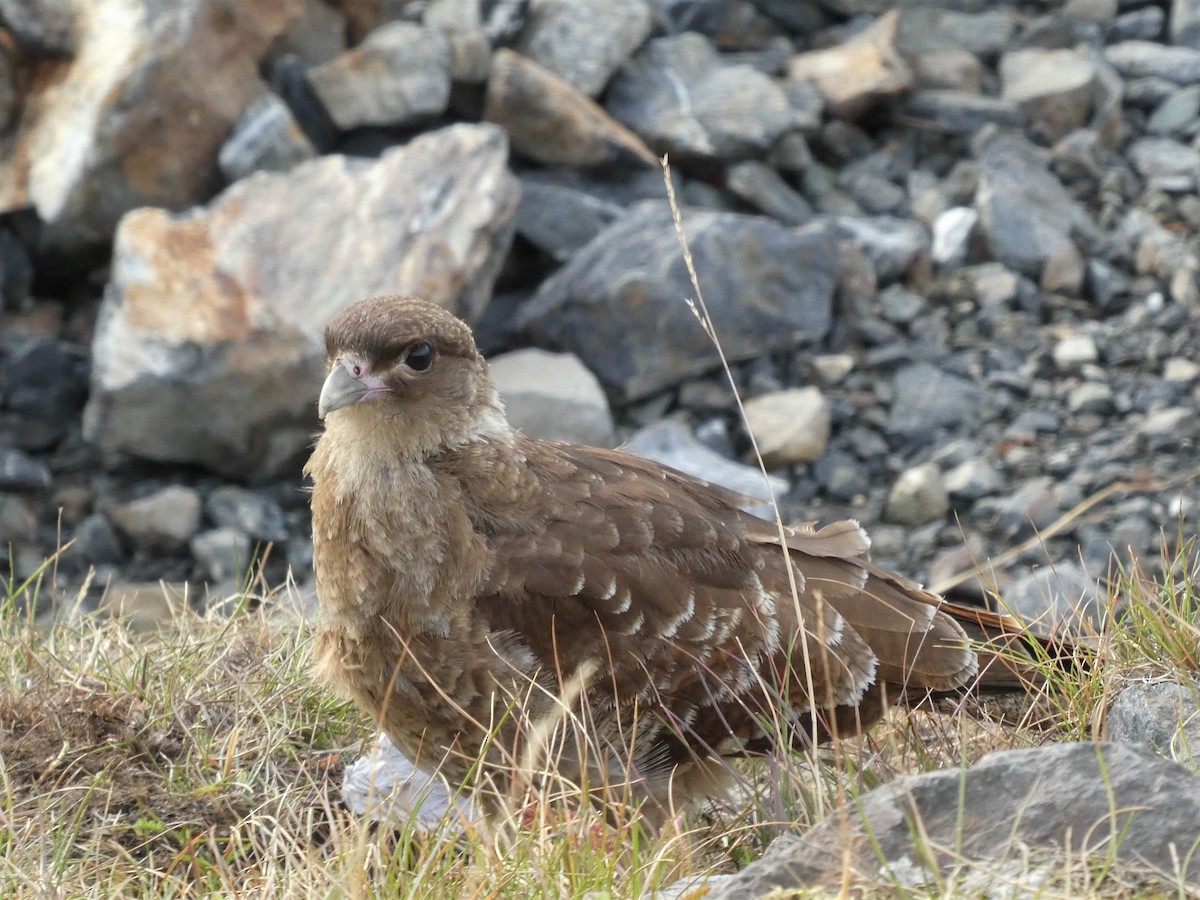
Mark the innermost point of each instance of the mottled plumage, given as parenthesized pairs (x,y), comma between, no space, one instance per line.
(476,584)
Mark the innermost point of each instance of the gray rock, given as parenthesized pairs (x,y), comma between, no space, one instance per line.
(384,786)
(672,444)
(1181,370)
(550,121)
(962,112)
(952,232)
(1143,59)
(267,138)
(918,497)
(135,117)
(40,27)
(925,29)
(1031,508)
(160,522)
(1057,802)
(584,43)
(16,272)
(1091,397)
(789,426)
(972,479)
(1073,352)
(1161,715)
(619,327)
(553,396)
(1057,599)
(95,542)
(952,70)
(223,554)
(892,244)
(315,34)
(18,522)
(400,75)
(1145,24)
(763,188)
(1185,23)
(1026,215)
(1177,112)
(560,219)
(680,97)
(858,73)
(225,375)
(841,476)
(1166,163)
(900,306)
(1053,88)
(21,472)
(926,398)
(250,512)
(1168,429)
(462,24)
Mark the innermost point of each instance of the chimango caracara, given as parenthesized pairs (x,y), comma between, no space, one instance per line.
(502,604)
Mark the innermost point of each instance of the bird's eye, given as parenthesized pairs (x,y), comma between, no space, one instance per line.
(420,356)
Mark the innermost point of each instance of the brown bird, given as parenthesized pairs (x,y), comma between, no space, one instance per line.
(504,604)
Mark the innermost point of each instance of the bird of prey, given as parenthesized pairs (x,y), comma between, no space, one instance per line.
(505,604)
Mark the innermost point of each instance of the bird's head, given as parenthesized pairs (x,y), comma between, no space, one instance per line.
(407,371)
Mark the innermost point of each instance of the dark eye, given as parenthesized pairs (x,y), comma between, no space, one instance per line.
(420,356)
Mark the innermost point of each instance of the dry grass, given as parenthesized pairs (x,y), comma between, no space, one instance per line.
(203,760)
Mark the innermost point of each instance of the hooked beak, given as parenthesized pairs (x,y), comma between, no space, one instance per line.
(340,389)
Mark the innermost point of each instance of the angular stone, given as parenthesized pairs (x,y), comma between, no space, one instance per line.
(681,97)
(763,188)
(1057,804)
(223,554)
(892,244)
(1075,351)
(21,472)
(953,70)
(1053,88)
(1056,599)
(1146,59)
(926,398)
(225,374)
(582,42)
(672,444)
(952,235)
(40,27)
(550,121)
(249,512)
(1026,214)
(400,75)
(636,332)
(461,23)
(560,219)
(137,116)
(925,29)
(962,112)
(918,497)
(789,426)
(161,522)
(553,396)
(972,479)
(266,138)
(860,73)
(384,786)
(1161,715)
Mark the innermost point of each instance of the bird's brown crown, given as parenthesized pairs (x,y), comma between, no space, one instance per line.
(381,329)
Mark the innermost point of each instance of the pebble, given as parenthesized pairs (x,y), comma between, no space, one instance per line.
(789,426)
(918,497)
(163,521)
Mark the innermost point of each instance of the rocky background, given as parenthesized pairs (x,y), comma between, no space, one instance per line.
(950,248)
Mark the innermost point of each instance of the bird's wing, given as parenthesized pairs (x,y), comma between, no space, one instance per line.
(684,602)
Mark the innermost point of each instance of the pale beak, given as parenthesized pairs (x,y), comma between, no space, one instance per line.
(340,389)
